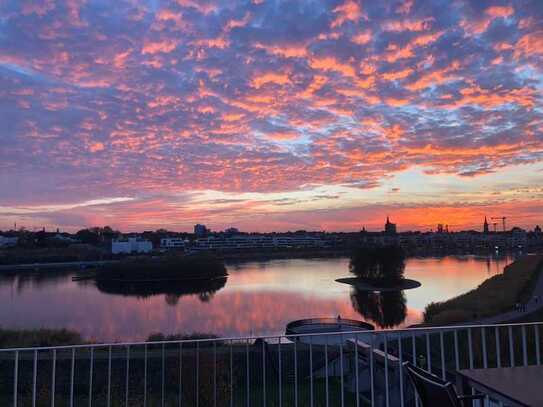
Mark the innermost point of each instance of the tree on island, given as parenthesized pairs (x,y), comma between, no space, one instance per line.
(379,264)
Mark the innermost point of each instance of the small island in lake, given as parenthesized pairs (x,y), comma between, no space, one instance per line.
(166,268)
(378,269)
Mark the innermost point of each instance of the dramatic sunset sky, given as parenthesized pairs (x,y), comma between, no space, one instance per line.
(270,115)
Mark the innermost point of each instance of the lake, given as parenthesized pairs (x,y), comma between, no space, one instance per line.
(258,298)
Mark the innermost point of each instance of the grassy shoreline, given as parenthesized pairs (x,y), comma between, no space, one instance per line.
(494,296)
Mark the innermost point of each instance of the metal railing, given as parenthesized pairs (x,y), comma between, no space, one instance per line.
(331,369)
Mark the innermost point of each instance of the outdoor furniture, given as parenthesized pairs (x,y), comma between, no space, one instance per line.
(512,386)
(435,392)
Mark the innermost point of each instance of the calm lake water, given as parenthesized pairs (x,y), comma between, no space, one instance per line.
(258,298)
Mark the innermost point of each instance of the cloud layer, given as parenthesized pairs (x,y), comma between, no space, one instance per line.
(161,102)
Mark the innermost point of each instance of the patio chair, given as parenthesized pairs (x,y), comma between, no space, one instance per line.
(434,392)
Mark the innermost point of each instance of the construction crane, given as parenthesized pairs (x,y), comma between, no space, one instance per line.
(503,218)
(494,224)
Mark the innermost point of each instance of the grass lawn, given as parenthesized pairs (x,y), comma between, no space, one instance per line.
(494,296)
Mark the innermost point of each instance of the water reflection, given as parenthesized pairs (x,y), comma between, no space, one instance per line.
(30,280)
(173,290)
(260,298)
(384,309)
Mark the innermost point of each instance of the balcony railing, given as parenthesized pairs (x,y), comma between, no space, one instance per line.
(331,369)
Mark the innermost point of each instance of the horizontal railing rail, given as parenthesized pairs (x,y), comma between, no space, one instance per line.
(348,368)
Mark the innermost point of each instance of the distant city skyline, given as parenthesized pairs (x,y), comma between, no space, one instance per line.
(271,115)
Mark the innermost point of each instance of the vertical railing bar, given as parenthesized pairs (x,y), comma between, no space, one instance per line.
(280,374)
(15,378)
(163,379)
(357,389)
(524,350)
(511,349)
(414,349)
(127,380)
(400,359)
(311,369)
(231,375)
(34,378)
(295,373)
(327,401)
(387,394)
(180,374)
(537,350)
(428,353)
(109,378)
(372,378)
(498,347)
(72,379)
(197,374)
(483,340)
(443,373)
(341,368)
(53,384)
(247,370)
(470,349)
(91,373)
(145,375)
(214,373)
(456,356)
(264,376)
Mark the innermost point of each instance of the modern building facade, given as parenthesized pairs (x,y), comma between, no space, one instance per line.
(130,245)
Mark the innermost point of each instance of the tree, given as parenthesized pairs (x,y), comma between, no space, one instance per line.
(386,264)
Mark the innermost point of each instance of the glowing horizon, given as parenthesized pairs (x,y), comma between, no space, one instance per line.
(270,115)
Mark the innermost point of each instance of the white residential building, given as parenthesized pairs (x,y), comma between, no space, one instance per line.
(172,243)
(129,245)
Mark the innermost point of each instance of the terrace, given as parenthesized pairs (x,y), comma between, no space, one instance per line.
(358,368)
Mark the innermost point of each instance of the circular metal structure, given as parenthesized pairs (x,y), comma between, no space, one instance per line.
(326,330)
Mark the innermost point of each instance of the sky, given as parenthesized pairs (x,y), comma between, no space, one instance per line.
(270,115)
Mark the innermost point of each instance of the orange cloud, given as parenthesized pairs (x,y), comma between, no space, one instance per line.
(332,64)
(270,77)
(283,135)
(286,51)
(362,38)
(95,147)
(348,11)
(408,25)
(154,47)
(394,76)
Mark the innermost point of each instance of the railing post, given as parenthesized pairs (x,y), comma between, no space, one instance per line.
(127,379)
(15,378)
(524,350)
(483,340)
(248,391)
(498,347)
(537,350)
(387,390)
(441,345)
(163,368)
(53,374)
(72,379)
(109,377)
(357,390)
(400,369)
(91,372)
(511,349)
(34,378)
(280,374)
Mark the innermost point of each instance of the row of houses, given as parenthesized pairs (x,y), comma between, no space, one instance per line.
(217,243)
